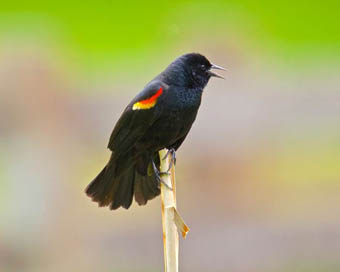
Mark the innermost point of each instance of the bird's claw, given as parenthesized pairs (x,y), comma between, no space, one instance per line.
(159,174)
(171,151)
(164,183)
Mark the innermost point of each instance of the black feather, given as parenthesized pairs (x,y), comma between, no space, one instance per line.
(140,133)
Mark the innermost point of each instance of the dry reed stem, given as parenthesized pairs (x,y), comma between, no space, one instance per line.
(170,218)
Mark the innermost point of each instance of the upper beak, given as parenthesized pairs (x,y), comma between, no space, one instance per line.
(214,66)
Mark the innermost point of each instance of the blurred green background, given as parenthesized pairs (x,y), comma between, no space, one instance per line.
(258,177)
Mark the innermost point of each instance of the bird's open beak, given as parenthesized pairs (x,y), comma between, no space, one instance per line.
(214,66)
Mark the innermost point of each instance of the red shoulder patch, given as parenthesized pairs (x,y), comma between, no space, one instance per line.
(149,102)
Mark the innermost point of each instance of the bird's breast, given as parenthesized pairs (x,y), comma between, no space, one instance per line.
(181,99)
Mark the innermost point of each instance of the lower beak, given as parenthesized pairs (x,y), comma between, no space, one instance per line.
(214,66)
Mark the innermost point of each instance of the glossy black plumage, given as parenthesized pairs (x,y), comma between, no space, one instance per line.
(140,133)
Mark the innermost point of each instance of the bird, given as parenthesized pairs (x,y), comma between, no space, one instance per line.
(158,117)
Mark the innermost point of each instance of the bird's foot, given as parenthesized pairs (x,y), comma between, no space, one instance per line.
(171,152)
(159,174)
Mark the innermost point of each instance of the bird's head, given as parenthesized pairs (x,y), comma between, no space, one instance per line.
(191,70)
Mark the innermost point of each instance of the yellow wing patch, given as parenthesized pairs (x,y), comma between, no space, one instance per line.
(143,106)
(149,102)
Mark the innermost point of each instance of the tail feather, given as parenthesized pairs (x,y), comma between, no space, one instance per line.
(146,188)
(124,194)
(102,188)
(116,188)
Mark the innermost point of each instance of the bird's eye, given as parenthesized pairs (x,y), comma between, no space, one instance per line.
(203,67)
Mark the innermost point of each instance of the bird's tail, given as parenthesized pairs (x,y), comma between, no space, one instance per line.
(116,184)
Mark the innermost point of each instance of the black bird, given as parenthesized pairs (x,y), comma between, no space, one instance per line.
(160,116)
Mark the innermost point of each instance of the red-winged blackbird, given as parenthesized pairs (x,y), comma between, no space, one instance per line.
(160,116)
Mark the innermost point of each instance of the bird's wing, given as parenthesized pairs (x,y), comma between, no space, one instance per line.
(137,117)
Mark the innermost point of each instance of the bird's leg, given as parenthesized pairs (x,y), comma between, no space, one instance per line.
(159,174)
(171,151)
